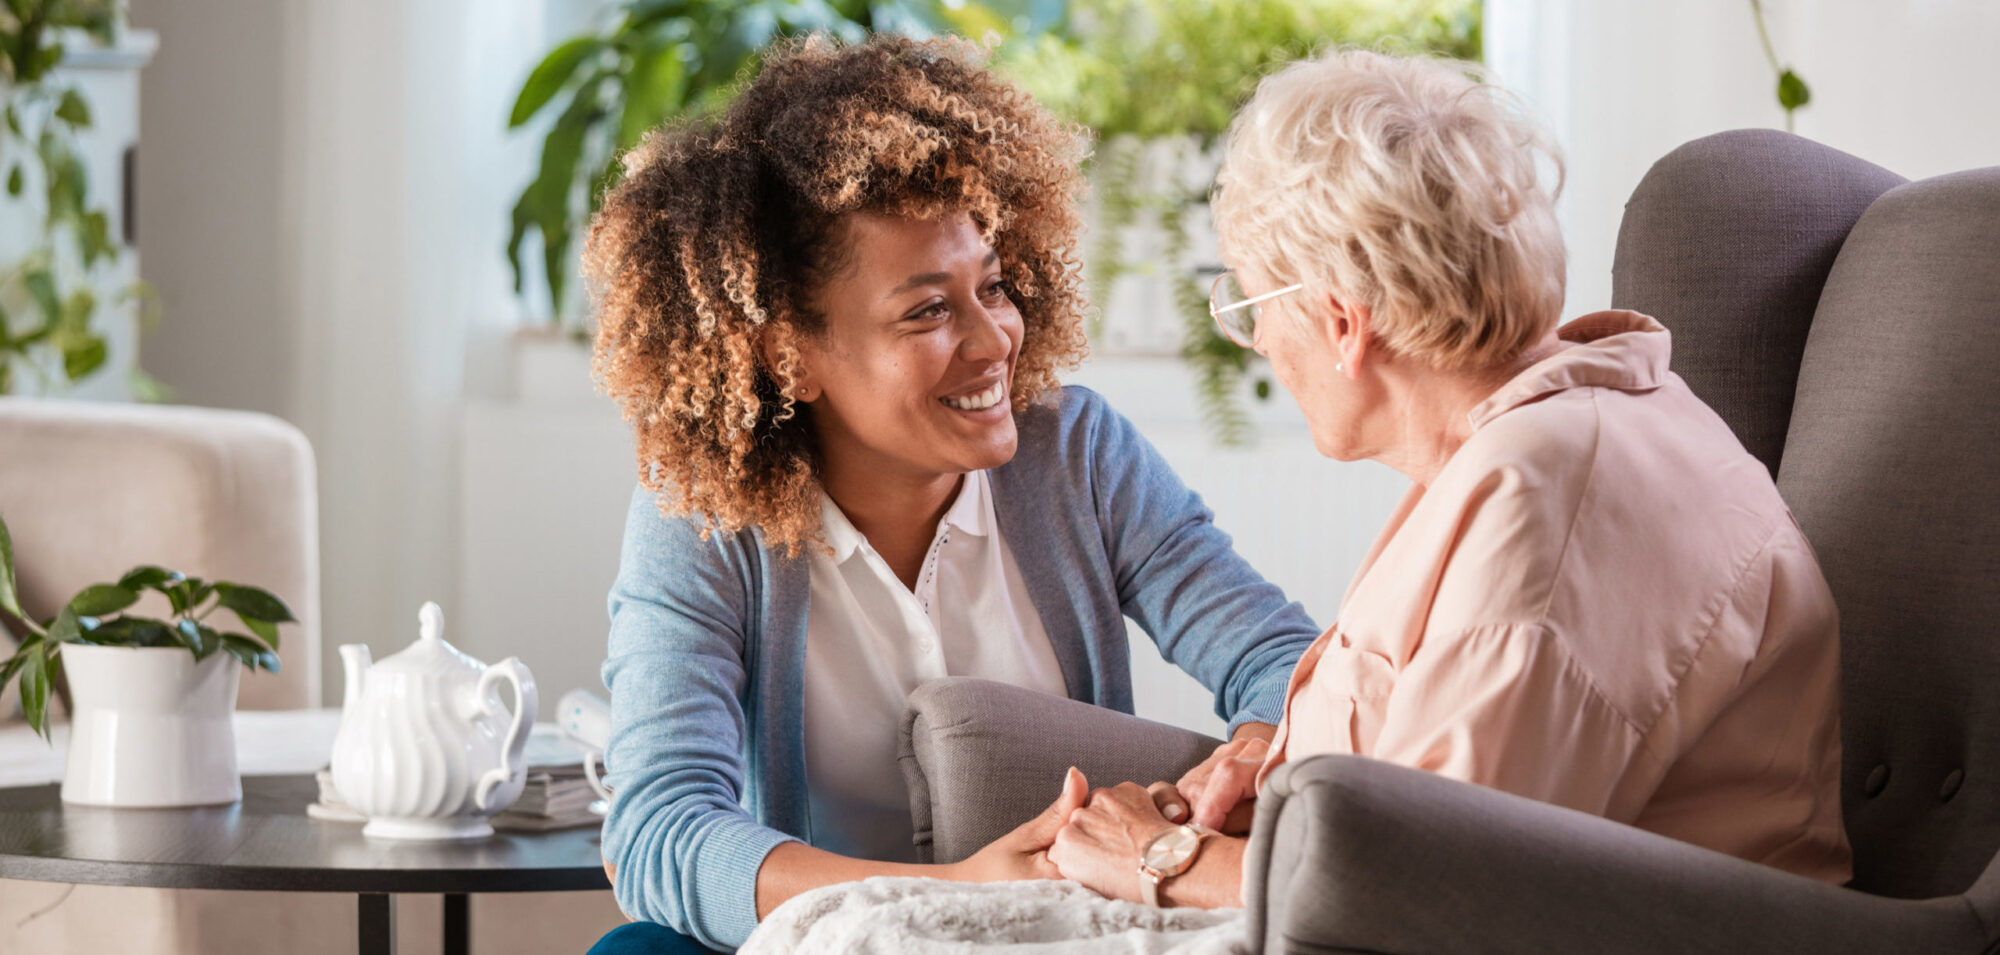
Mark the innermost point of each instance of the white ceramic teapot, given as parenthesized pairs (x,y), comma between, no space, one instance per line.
(426,750)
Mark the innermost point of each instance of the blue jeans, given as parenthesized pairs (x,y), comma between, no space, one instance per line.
(646,938)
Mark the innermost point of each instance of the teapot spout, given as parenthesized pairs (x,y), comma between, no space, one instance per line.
(355,660)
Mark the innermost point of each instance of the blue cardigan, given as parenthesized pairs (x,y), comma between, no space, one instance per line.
(708,645)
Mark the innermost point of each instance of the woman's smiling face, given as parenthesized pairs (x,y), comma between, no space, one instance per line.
(911,373)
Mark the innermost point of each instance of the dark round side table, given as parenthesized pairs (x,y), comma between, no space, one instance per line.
(267,843)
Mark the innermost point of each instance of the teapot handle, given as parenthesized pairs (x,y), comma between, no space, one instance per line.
(513,758)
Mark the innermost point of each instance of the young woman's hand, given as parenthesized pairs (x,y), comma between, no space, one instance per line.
(1223,789)
(1024,853)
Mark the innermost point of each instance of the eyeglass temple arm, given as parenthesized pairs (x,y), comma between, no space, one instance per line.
(1254,299)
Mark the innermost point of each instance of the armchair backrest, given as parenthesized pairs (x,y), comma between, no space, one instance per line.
(1847,325)
(90,490)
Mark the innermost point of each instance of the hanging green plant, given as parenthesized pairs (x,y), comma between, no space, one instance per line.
(1792,91)
(48,308)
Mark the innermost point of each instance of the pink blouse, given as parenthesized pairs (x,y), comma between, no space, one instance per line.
(1602,603)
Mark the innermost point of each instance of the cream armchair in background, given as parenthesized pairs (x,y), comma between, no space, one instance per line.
(89,490)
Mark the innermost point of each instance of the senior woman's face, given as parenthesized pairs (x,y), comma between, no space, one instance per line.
(1298,340)
(914,366)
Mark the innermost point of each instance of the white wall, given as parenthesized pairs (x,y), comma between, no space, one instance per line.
(1908,86)
(323,207)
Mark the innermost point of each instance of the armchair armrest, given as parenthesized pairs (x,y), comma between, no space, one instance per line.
(982,757)
(1350,853)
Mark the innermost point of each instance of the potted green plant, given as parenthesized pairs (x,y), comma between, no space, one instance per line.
(1157,81)
(151,699)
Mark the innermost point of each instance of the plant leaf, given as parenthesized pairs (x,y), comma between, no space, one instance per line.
(131,631)
(41,285)
(35,690)
(211,640)
(83,357)
(66,628)
(94,238)
(189,633)
(244,649)
(198,590)
(146,576)
(249,652)
(549,77)
(1792,91)
(9,600)
(549,196)
(73,109)
(100,599)
(654,91)
(14,663)
(264,629)
(14,181)
(254,603)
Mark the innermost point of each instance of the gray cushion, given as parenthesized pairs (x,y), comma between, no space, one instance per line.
(982,757)
(1727,241)
(1355,854)
(1893,469)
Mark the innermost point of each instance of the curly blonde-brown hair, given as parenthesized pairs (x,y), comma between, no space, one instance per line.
(711,244)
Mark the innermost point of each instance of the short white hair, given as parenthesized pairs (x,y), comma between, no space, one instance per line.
(1407,184)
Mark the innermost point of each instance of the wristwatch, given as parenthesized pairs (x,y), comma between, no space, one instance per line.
(1169,853)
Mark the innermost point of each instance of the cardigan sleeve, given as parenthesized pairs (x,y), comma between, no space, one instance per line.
(686,851)
(1177,574)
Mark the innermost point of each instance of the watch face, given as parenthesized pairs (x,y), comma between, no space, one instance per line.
(1170,849)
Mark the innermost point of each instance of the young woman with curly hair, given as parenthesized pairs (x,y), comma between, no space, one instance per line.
(834,316)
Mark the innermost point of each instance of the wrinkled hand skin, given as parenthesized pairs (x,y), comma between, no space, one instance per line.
(1099,846)
(1223,789)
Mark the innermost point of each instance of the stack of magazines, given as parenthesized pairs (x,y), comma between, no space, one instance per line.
(557,795)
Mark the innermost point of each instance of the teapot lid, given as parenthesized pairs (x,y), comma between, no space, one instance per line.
(430,654)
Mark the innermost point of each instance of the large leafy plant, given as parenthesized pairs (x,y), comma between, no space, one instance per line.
(660,59)
(48,309)
(1138,72)
(97,616)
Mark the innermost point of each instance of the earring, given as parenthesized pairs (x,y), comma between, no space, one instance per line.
(1339,367)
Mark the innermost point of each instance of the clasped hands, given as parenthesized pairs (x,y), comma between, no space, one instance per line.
(1095,837)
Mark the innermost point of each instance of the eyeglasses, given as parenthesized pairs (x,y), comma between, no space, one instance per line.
(1236,310)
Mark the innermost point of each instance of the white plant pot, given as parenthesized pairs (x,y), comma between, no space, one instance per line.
(151,727)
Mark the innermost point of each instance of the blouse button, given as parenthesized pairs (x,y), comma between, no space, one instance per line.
(1951,784)
(1878,779)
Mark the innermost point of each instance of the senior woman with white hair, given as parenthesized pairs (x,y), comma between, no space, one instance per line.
(1591,595)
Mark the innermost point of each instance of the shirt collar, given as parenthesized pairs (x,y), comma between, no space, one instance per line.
(971,512)
(1613,349)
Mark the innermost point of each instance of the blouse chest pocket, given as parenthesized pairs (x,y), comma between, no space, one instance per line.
(1341,706)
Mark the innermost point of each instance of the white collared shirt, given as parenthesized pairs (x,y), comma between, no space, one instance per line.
(870,640)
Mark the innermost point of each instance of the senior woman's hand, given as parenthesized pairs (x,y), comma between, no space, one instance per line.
(1223,789)
(1099,846)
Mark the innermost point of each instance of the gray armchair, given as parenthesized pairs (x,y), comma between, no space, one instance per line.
(1847,325)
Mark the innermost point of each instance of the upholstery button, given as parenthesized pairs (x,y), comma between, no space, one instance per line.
(1951,784)
(1878,779)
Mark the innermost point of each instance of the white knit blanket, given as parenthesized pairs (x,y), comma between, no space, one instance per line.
(885,916)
